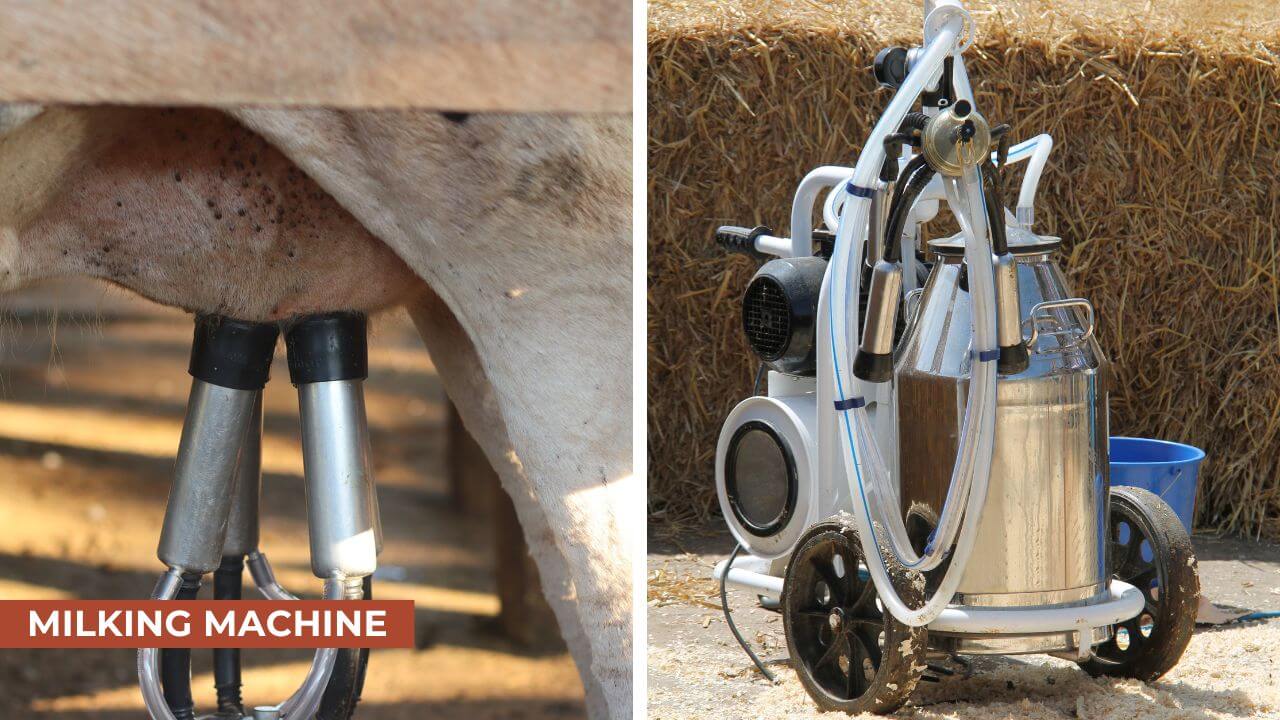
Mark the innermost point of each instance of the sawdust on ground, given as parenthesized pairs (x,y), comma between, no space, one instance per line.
(696,670)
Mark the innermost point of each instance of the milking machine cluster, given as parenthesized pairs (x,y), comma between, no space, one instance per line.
(211,522)
(887,560)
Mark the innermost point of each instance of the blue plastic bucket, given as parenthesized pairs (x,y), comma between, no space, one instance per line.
(1168,469)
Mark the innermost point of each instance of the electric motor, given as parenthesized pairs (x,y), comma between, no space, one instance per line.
(779,311)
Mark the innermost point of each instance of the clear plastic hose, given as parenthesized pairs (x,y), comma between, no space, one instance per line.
(965,472)
(303,704)
(880,524)
(832,205)
(874,495)
(306,699)
(149,658)
(264,578)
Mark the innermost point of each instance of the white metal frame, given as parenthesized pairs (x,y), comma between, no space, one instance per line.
(1122,602)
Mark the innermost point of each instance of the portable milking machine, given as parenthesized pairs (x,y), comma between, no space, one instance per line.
(211,522)
(888,561)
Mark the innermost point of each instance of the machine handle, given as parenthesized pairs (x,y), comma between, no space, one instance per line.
(742,240)
(1038,310)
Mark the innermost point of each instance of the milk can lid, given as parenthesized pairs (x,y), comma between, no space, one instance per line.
(1021,242)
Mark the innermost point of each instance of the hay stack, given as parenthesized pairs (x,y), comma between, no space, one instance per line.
(1163,184)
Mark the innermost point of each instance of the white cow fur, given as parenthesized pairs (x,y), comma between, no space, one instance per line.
(521,227)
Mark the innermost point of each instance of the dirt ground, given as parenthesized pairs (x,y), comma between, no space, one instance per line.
(93,388)
(697,670)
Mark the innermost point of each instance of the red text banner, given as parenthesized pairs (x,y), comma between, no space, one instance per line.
(206,624)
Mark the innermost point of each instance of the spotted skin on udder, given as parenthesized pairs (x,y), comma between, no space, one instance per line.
(190,209)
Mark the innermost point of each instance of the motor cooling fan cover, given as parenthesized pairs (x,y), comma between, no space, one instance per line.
(780,310)
(766,473)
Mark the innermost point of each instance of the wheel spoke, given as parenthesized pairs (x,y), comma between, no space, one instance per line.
(1136,639)
(1125,559)
(856,680)
(1142,581)
(1133,564)
(817,613)
(870,637)
(831,653)
(828,573)
(851,586)
(864,600)
(1115,553)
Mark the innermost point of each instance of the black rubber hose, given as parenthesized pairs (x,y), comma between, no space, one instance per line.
(228,584)
(912,167)
(892,149)
(341,695)
(901,207)
(728,617)
(364,652)
(995,210)
(1001,134)
(992,176)
(175,663)
(914,120)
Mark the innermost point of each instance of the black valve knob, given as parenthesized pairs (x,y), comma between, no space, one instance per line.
(891,67)
(742,240)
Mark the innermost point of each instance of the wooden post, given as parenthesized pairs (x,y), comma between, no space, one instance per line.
(472,481)
(516,577)
(460,55)
(475,489)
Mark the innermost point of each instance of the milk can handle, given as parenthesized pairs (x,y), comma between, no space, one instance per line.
(911,303)
(911,311)
(1039,308)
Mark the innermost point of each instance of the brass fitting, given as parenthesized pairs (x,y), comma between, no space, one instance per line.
(956,138)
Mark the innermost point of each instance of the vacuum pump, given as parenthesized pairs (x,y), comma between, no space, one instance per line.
(925,474)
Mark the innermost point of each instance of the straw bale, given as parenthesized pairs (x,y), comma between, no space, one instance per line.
(1163,185)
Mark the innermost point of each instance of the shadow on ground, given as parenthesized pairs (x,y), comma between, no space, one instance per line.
(93,389)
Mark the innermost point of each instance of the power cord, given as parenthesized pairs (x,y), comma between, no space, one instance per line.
(724,591)
(755,387)
(728,618)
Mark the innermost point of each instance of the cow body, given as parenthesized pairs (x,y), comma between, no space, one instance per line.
(187,208)
(507,237)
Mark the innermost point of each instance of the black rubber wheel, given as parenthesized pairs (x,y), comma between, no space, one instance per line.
(1150,550)
(851,654)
